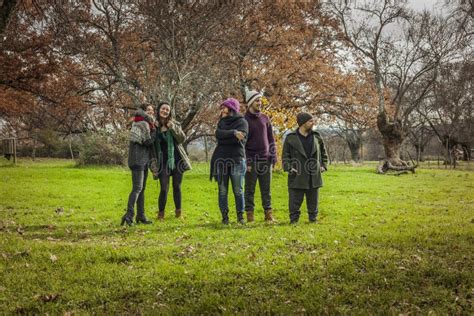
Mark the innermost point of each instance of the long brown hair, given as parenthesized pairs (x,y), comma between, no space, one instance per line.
(158,117)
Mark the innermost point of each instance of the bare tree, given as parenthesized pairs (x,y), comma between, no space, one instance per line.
(449,112)
(404,63)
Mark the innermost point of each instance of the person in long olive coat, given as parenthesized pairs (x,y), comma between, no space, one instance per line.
(172,158)
(304,158)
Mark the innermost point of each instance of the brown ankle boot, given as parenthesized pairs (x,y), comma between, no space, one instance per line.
(161,215)
(177,213)
(250,216)
(269,215)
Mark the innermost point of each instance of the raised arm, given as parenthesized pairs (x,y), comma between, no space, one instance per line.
(177,132)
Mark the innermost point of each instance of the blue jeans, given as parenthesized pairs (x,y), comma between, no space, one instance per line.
(236,174)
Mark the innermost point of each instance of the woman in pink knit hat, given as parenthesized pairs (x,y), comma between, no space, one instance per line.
(228,159)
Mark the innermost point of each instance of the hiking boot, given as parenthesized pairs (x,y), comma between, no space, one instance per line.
(177,213)
(161,215)
(269,215)
(250,217)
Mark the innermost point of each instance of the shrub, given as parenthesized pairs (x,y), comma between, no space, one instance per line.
(102,148)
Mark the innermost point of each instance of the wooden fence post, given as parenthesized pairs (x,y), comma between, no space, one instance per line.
(9,148)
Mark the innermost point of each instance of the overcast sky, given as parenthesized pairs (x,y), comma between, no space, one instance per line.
(420,5)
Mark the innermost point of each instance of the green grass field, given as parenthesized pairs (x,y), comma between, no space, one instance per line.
(383,244)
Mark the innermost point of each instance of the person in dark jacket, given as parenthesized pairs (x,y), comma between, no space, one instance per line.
(228,160)
(172,158)
(142,135)
(304,158)
(261,156)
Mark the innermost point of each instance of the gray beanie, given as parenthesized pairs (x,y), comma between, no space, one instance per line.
(251,95)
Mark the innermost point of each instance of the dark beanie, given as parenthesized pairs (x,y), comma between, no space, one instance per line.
(303,117)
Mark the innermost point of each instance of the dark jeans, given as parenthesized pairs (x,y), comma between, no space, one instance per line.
(137,195)
(296,199)
(235,173)
(260,170)
(165,175)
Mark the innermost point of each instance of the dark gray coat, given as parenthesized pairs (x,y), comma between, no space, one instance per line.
(294,157)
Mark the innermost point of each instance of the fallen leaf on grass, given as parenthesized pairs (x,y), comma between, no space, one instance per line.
(186,251)
(183,237)
(22,253)
(418,258)
(47,297)
(53,258)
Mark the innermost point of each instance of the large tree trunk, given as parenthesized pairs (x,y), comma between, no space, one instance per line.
(393,134)
(354,147)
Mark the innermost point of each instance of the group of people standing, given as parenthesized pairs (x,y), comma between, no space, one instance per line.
(245,154)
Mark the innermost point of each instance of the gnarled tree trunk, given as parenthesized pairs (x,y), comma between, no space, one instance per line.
(393,135)
(355,151)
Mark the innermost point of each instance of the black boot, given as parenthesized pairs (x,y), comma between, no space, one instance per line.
(141,218)
(127,218)
(240,218)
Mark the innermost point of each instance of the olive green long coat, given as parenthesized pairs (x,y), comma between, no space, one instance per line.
(179,137)
(294,157)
